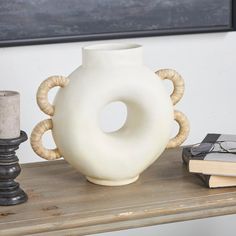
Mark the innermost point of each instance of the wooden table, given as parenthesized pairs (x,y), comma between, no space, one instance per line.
(62,202)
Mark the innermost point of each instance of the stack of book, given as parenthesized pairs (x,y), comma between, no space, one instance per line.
(213,160)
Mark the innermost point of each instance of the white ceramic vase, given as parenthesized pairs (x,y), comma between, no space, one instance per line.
(109,73)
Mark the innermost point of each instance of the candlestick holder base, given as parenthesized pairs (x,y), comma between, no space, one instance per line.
(10,191)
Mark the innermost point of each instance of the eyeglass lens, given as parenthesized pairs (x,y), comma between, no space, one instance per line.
(229,146)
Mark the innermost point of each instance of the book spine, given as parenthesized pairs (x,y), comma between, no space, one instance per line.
(186,156)
(205,179)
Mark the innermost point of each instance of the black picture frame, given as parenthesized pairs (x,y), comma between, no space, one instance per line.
(29,22)
(233,14)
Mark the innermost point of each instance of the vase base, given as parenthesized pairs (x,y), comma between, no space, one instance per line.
(111,182)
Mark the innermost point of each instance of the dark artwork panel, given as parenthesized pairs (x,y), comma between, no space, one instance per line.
(46,21)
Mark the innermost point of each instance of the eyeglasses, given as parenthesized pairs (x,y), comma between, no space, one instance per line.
(216,147)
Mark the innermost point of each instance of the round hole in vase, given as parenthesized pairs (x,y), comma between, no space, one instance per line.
(113,117)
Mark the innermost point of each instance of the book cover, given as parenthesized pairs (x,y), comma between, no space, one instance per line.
(216,162)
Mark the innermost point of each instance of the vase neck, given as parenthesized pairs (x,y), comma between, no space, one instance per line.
(112,55)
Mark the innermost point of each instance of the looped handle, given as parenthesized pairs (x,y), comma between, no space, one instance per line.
(177,81)
(182,120)
(42,93)
(36,141)
(176,95)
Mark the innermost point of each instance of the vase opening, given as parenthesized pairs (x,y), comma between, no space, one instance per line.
(112,46)
(114,54)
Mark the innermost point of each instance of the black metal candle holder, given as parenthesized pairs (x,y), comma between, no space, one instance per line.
(10,191)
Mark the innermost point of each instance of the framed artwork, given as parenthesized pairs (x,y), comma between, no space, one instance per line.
(25,22)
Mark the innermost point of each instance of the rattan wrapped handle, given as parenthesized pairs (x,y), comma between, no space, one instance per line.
(42,93)
(184,128)
(176,95)
(36,141)
(177,81)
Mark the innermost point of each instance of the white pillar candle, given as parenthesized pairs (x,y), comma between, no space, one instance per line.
(9,114)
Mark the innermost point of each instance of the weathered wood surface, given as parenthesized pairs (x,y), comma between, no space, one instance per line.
(62,202)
